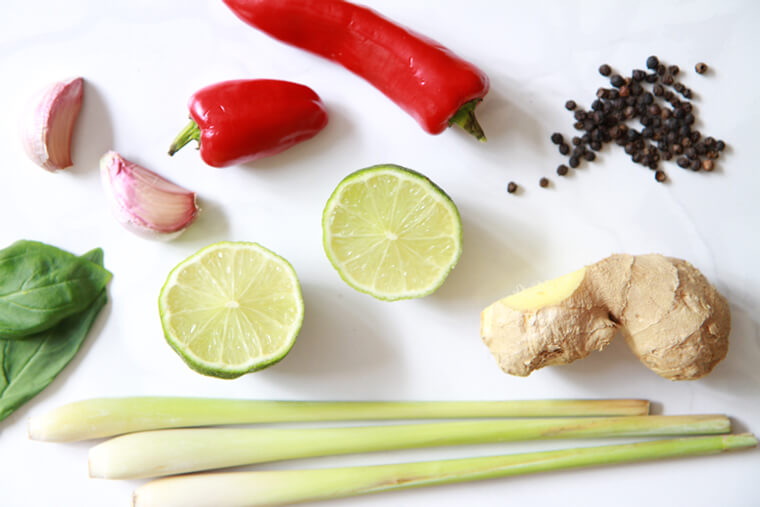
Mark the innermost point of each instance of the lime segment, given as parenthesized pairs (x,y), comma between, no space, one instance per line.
(231,308)
(392,233)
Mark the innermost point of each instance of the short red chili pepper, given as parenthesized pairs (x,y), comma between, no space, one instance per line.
(432,84)
(243,120)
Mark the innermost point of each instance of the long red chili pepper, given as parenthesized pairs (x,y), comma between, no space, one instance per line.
(244,120)
(425,79)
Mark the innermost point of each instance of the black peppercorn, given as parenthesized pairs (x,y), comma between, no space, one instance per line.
(511,187)
(557,138)
(701,68)
(543,182)
(617,80)
(665,115)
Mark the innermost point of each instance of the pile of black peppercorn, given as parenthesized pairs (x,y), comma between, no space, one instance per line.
(667,121)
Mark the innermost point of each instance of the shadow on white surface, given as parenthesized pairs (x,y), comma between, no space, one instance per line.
(93,134)
(488,268)
(501,118)
(339,340)
(210,227)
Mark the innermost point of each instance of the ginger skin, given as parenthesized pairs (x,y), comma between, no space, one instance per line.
(675,322)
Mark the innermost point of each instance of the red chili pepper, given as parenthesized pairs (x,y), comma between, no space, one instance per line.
(432,84)
(243,120)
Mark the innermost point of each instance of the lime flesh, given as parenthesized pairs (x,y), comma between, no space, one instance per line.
(231,308)
(392,233)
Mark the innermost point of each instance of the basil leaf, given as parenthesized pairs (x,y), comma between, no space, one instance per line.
(28,366)
(40,285)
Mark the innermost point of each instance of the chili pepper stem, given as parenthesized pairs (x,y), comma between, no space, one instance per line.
(465,118)
(190,132)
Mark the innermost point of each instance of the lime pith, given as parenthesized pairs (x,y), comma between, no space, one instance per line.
(391,232)
(231,308)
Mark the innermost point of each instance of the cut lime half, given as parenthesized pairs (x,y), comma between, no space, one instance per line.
(391,232)
(231,308)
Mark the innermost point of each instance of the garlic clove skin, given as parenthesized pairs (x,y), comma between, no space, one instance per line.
(49,124)
(144,202)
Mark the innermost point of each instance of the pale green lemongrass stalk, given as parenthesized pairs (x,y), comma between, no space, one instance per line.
(105,417)
(282,487)
(169,452)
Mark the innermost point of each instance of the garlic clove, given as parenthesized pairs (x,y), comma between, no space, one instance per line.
(144,202)
(49,124)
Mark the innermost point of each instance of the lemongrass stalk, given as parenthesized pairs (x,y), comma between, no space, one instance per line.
(282,487)
(170,452)
(104,417)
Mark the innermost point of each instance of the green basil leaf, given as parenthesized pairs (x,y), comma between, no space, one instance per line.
(40,285)
(28,366)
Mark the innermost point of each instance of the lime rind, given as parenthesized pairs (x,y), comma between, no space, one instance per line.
(219,368)
(432,190)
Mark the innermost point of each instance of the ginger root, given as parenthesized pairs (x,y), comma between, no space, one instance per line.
(675,322)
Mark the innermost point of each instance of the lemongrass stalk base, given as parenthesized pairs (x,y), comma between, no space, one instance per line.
(105,417)
(169,452)
(282,487)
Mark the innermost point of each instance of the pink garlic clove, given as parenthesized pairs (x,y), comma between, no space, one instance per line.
(49,124)
(144,202)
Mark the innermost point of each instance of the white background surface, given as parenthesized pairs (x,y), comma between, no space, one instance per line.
(142,59)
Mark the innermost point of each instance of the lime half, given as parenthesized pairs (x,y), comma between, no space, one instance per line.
(391,232)
(231,308)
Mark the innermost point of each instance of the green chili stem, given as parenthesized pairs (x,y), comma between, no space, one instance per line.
(465,118)
(189,133)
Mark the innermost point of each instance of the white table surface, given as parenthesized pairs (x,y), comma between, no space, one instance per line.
(142,59)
